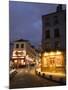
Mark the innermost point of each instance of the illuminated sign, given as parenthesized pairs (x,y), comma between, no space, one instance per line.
(19,53)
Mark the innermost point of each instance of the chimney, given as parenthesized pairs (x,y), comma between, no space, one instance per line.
(59,8)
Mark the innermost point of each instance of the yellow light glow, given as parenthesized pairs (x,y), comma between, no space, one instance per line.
(24,52)
(59,60)
(53,59)
(22,61)
(58,53)
(26,56)
(22,57)
(52,53)
(19,51)
(15,61)
(44,61)
(14,53)
(51,73)
(46,54)
(19,55)
(14,57)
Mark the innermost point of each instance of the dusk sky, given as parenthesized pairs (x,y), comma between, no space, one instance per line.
(26,20)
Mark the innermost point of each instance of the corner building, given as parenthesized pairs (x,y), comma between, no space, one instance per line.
(23,53)
(54,41)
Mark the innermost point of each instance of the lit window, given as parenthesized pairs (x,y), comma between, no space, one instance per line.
(59,61)
(15,61)
(22,62)
(19,53)
(44,62)
(14,53)
(46,54)
(58,53)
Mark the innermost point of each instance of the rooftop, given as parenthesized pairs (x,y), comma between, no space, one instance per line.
(21,40)
(54,13)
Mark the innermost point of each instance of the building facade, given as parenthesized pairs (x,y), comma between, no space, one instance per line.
(23,53)
(11,50)
(54,41)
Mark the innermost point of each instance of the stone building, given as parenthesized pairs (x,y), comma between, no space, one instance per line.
(23,53)
(54,41)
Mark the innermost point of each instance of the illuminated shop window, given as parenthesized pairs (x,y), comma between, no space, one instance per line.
(14,53)
(59,61)
(15,61)
(44,62)
(53,59)
(22,62)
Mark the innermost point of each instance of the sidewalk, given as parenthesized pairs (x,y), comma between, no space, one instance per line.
(58,77)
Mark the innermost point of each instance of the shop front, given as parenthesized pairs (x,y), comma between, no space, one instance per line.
(53,62)
(18,58)
(19,62)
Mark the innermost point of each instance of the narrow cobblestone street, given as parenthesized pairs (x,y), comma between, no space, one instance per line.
(27,79)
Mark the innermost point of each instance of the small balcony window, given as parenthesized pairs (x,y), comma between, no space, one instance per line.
(47,33)
(22,45)
(56,33)
(17,45)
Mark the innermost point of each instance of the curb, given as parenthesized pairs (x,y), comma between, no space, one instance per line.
(61,80)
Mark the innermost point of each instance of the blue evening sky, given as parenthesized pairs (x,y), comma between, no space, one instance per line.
(25,20)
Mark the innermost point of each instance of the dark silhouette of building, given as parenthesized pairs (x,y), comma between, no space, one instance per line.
(54,41)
